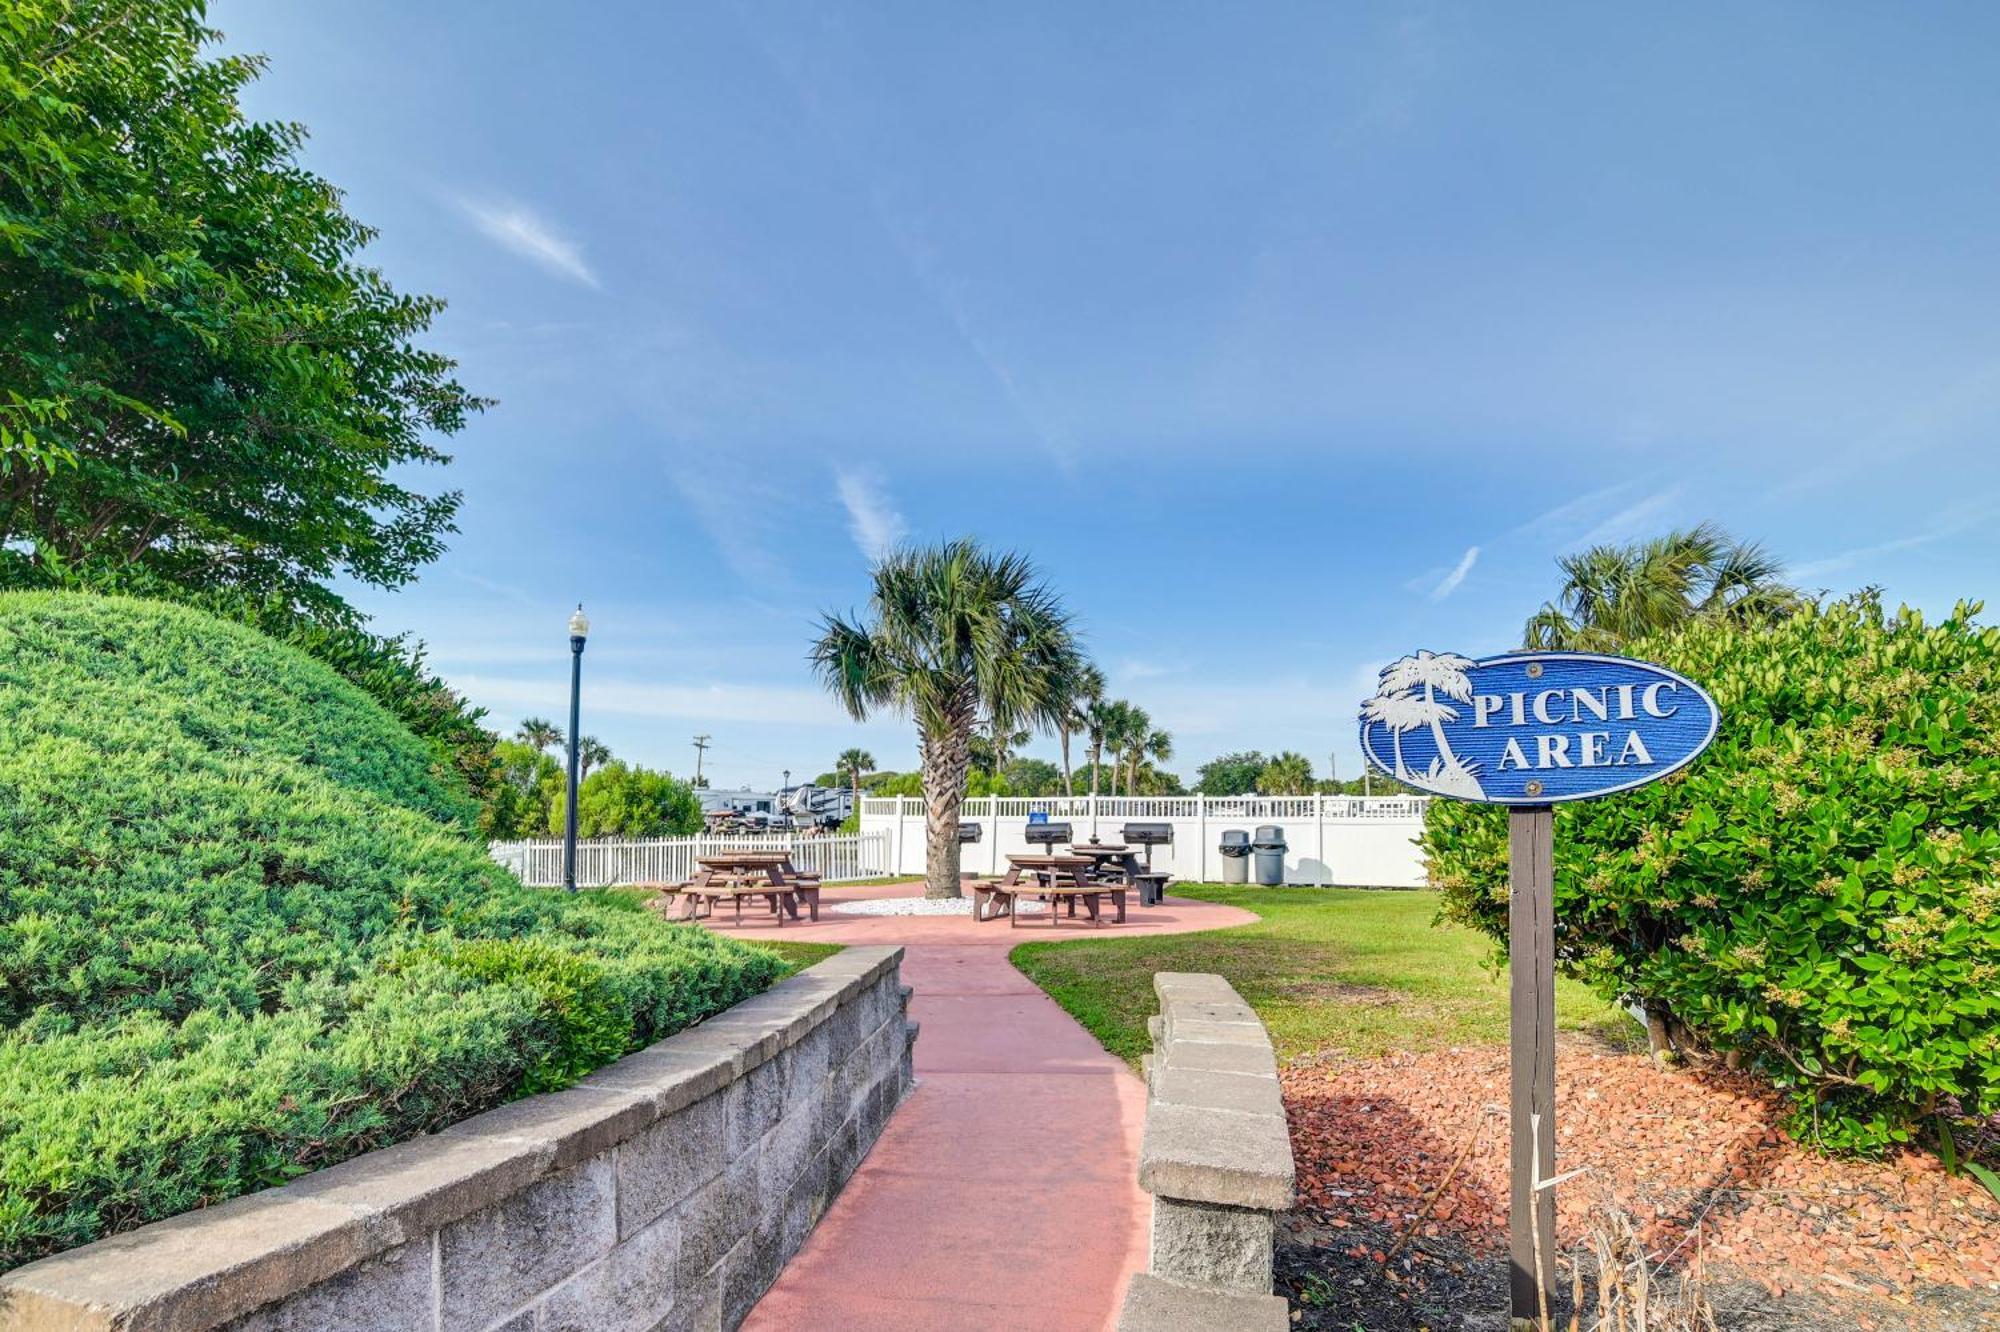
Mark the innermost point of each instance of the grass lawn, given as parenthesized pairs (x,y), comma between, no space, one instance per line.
(1355,970)
(798,956)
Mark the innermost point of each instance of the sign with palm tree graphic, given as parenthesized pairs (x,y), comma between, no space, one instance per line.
(1533,728)
(1529,729)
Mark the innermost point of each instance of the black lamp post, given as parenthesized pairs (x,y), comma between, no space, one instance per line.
(579,627)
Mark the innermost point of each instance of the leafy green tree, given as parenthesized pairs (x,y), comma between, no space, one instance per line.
(527,782)
(621,800)
(201,377)
(1286,774)
(1230,774)
(955,634)
(1613,594)
(1815,896)
(1033,777)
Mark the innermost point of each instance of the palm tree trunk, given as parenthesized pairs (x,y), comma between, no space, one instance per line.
(1096,755)
(1069,785)
(946,759)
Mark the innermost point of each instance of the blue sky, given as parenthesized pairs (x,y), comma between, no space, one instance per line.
(1285,338)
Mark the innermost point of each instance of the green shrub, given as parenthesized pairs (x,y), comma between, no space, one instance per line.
(244,932)
(390,670)
(1820,893)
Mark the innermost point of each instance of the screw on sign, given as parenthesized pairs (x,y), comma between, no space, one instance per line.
(1529,730)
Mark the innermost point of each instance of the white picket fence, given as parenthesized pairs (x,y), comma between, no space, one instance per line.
(602,861)
(1358,841)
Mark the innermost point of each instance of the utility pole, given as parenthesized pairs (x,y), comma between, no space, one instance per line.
(700,745)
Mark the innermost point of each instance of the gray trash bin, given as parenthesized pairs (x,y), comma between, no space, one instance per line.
(1235,850)
(1269,846)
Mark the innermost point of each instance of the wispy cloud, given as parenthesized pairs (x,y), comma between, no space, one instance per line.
(872,518)
(1572,513)
(1964,521)
(1631,519)
(1449,583)
(513,226)
(739,517)
(717,702)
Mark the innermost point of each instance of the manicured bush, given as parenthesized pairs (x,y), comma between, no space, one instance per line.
(1820,893)
(244,931)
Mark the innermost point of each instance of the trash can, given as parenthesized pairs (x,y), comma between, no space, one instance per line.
(1235,850)
(1269,844)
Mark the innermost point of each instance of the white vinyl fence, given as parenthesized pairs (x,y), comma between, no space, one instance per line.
(1357,841)
(602,861)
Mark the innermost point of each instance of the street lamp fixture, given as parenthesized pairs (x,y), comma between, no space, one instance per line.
(579,629)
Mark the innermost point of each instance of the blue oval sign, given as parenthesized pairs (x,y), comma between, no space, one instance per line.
(1533,728)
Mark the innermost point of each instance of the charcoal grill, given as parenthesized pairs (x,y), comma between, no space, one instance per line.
(1149,835)
(1048,834)
(968,831)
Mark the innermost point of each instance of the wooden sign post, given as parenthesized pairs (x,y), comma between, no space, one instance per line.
(1529,730)
(1531,947)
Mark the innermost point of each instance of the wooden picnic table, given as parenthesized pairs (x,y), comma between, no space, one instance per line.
(1053,867)
(1044,875)
(789,888)
(782,898)
(1113,858)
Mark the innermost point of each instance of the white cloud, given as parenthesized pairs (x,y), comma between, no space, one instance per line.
(740,515)
(872,519)
(1132,668)
(1572,512)
(1847,559)
(798,706)
(514,227)
(1628,521)
(1449,583)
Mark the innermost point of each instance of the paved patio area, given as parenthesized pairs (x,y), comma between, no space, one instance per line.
(1004,1192)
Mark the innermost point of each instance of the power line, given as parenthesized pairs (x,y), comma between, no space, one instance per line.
(700,747)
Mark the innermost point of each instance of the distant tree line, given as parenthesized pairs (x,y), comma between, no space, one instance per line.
(614,798)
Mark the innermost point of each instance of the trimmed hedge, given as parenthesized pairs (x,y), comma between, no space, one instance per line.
(245,932)
(1820,892)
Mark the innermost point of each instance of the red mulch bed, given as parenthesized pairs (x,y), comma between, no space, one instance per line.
(1698,1157)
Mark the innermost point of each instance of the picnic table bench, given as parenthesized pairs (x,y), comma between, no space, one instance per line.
(735,875)
(1059,880)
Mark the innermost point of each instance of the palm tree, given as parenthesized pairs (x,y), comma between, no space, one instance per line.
(1288,773)
(1119,725)
(955,634)
(590,753)
(1136,740)
(1159,747)
(1613,594)
(539,732)
(1101,719)
(1074,716)
(854,762)
(992,750)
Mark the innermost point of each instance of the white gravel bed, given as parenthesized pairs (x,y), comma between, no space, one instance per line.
(921,906)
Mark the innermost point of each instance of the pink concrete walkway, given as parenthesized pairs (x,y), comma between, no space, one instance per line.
(1004,1193)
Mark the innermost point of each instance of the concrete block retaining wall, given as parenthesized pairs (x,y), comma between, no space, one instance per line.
(663,1192)
(1217,1158)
